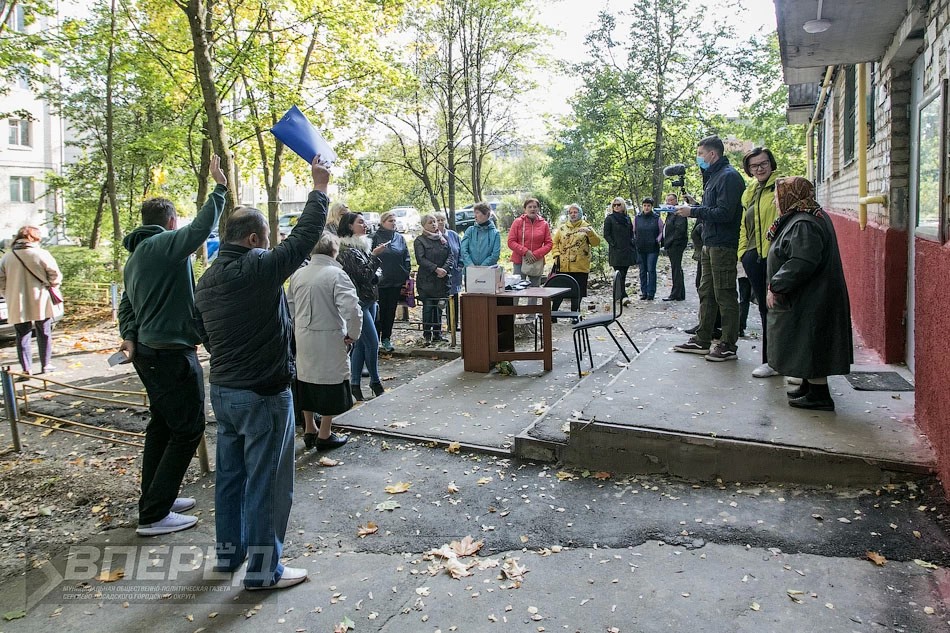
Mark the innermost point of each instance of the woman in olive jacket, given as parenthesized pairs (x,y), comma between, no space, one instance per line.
(618,232)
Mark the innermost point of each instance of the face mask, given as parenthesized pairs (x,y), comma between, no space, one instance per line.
(702,162)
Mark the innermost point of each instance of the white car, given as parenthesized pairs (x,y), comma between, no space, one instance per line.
(408,219)
(287,222)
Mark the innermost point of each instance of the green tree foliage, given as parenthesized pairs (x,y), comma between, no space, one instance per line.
(655,72)
(21,45)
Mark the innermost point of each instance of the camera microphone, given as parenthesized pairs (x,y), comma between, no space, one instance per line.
(679,169)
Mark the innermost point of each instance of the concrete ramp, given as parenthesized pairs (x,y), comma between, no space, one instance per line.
(679,414)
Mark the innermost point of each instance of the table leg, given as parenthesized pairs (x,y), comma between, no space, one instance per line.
(546,335)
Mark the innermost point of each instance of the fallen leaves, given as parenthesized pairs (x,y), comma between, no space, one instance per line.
(876,558)
(344,626)
(389,504)
(453,447)
(452,488)
(327,461)
(924,564)
(467,546)
(398,488)
(484,480)
(111,575)
(512,570)
(365,530)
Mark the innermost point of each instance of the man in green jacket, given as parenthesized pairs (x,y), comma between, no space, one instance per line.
(758,204)
(159,335)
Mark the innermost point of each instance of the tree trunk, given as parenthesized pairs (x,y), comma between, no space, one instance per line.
(109,152)
(96,232)
(204,169)
(199,22)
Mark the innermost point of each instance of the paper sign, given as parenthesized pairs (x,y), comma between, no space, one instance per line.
(297,133)
(119,358)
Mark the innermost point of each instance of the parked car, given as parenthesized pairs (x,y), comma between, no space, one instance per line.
(7,330)
(408,219)
(466,217)
(372,221)
(287,222)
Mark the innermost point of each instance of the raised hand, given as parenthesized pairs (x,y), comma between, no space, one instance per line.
(320,174)
(216,172)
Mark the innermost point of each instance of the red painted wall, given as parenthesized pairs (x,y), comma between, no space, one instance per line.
(931,362)
(875,266)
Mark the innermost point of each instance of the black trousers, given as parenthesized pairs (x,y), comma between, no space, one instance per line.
(755,270)
(174,381)
(386,314)
(581,279)
(623,278)
(678,291)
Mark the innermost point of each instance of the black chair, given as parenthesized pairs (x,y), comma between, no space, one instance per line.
(566,281)
(582,329)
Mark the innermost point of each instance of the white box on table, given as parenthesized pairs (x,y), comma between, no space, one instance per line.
(484,280)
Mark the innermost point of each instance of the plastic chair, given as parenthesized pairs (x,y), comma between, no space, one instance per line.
(582,329)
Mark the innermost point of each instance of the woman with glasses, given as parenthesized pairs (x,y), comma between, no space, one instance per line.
(759,213)
(396,267)
(618,231)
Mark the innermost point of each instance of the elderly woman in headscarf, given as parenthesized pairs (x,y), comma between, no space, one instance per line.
(809,317)
(573,242)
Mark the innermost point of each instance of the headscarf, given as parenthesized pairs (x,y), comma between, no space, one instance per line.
(795,195)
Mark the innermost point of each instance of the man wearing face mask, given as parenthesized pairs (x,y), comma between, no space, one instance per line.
(721,214)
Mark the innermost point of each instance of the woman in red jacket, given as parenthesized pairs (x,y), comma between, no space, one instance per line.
(530,240)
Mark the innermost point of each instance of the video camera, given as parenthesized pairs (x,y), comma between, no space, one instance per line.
(678,173)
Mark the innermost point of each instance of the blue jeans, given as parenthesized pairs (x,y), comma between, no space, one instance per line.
(647,273)
(254,481)
(366,349)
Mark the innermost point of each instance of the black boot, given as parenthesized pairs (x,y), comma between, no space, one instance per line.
(357,394)
(377,388)
(798,392)
(818,398)
(309,440)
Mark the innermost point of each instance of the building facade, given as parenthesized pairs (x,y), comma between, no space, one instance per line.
(877,76)
(31,146)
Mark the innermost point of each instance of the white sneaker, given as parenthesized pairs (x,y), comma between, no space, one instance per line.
(182,504)
(764,371)
(291,576)
(793,381)
(174,522)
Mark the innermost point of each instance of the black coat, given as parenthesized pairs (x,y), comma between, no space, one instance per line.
(244,311)
(361,266)
(721,210)
(675,232)
(810,325)
(432,254)
(618,231)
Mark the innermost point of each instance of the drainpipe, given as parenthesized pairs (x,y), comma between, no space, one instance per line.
(863,198)
(810,143)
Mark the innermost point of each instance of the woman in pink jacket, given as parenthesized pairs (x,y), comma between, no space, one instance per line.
(530,240)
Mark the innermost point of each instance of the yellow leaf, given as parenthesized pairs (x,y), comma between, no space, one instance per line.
(398,487)
(876,558)
(454,447)
(467,546)
(327,461)
(925,564)
(111,576)
(452,487)
(365,530)
(483,481)
(563,475)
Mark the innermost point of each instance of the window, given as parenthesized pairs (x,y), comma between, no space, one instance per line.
(15,17)
(931,165)
(21,189)
(20,132)
(850,111)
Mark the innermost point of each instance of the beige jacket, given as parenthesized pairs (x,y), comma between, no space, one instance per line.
(27,298)
(325,308)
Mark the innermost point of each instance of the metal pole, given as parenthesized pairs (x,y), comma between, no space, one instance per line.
(9,405)
(114,300)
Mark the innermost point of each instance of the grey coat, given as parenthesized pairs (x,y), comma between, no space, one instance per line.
(810,325)
(618,232)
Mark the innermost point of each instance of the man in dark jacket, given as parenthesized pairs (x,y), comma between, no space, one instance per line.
(721,214)
(157,324)
(245,314)
(675,236)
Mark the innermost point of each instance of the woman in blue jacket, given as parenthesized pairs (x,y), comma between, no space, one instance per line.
(394,262)
(481,244)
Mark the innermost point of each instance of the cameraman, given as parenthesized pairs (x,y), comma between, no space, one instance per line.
(721,214)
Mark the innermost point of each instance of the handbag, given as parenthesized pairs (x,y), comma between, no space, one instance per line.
(408,292)
(531,269)
(55,294)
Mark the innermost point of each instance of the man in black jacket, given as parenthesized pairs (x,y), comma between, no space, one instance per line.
(721,213)
(248,328)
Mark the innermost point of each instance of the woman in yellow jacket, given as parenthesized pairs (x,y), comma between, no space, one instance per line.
(759,211)
(573,242)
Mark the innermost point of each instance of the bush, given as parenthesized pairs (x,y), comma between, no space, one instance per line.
(80,264)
